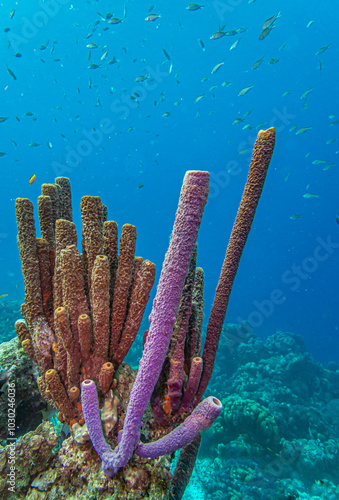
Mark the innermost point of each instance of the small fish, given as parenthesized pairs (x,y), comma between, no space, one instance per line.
(305,94)
(140,186)
(32,179)
(302,130)
(3,295)
(194,6)
(238,120)
(248,112)
(92,45)
(29,113)
(257,63)
(265,33)
(248,126)
(115,20)
(11,73)
(142,78)
(199,98)
(166,54)
(2,154)
(226,84)
(337,219)
(245,90)
(282,46)
(322,49)
(11,14)
(318,162)
(165,115)
(235,44)
(33,144)
(309,24)
(18,54)
(93,66)
(217,34)
(327,167)
(320,64)
(274,61)
(104,55)
(286,93)
(49,145)
(293,128)
(330,141)
(202,45)
(3,118)
(152,17)
(335,122)
(310,195)
(287,176)
(270,21)
(212,88)
(216,67)
(296,216)
(244,152)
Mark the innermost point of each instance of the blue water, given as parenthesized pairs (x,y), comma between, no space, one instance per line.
(138,173)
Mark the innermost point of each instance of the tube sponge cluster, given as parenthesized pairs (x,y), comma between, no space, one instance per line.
(81,311)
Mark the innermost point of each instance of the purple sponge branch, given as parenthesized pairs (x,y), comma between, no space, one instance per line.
(90,410)
(192,202)
(201,419)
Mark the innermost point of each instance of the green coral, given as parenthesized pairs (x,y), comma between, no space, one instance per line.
(250,419)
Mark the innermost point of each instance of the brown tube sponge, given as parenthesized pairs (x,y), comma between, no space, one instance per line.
(65,235)
(66,198)
(47,229)
(106,377)
(184,469)
(110,247)
(45,279)
(73,293)
(51,190)
(29,349)
(122,283)
(29,260)
(141,288)
(22,330)
(85,334)
(58,393)
(92,241)
(261,157)
(100,311)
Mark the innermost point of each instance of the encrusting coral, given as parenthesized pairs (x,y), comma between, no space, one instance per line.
(70,299)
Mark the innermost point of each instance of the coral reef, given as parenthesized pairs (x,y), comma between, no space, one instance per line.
(83,311)
(16,367)
(279,432)
(9,313)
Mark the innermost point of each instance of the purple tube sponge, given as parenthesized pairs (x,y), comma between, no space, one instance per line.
(201,419)
(191,206)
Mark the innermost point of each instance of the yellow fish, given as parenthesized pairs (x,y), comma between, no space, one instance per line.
(4,295)
(32,179)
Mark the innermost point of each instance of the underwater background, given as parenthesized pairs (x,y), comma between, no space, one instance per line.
(72,106)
